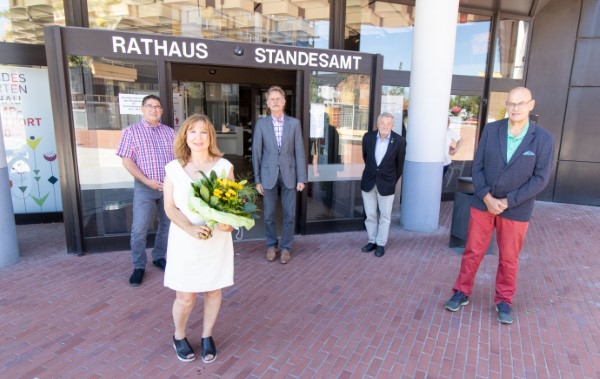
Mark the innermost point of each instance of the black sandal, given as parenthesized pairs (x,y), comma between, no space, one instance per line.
(208,348)
(183,349)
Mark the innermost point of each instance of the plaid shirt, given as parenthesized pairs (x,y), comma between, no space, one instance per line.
(150,147)
(278,128)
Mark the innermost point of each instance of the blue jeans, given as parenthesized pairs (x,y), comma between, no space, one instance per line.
(146,201)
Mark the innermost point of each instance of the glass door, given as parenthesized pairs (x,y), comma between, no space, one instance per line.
(339,117)
(106,98)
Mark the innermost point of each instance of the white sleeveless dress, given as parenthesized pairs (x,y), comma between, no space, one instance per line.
(195,265)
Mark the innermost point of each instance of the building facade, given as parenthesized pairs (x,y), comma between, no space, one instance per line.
(73,74)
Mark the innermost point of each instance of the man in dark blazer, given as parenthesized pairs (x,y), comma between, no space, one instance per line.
(279,164)
(513,164)
(383,152)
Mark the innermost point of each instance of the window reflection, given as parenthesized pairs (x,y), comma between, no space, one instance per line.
(297,23)
(511,48)
(472,44)
(24,21)
(338,120)
(497,106)
(463,118)
(373,27)
(394,100)
(106,99)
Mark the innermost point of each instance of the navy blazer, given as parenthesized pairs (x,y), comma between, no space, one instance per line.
(386,175)
(520,179)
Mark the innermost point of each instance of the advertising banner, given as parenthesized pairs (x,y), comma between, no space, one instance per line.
(30,145)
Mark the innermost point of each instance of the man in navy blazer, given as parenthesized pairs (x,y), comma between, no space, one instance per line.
(513,164)
(279,164)
(383,152)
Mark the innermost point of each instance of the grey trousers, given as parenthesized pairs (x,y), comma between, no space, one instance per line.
(146,202)
(378,225)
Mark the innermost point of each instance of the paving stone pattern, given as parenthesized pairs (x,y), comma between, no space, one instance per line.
(332,312)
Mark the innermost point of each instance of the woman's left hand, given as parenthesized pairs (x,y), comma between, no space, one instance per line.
(224,227)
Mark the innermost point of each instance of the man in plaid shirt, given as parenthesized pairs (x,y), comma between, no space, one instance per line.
(146,147)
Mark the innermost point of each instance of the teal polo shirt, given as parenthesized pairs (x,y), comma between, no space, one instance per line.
(512,143)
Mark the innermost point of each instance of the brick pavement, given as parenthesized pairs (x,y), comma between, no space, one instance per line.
(332,312)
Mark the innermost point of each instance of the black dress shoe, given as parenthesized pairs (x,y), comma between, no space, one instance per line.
(160,264)
(368,247)
(136,277)
(379,251)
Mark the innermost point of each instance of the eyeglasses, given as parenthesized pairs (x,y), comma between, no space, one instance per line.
(521,105)
(155,107)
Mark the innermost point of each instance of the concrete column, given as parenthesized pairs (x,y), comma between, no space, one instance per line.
(9,247)
(430,83)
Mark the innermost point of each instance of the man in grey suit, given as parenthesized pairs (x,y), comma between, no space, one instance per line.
(279,165)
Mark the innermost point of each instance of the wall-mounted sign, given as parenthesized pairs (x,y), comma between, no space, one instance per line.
(117,44)
(28,131)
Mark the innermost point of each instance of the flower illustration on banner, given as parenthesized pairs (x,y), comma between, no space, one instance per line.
(21,168)
(455,110)
(51,157)
(33,143)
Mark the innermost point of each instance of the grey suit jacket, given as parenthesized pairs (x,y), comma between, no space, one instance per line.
(268,161)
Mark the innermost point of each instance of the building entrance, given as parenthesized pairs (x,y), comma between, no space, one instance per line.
(234,99)
(98,79)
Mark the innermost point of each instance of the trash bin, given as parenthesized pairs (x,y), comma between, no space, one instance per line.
(117,216)
(461,214)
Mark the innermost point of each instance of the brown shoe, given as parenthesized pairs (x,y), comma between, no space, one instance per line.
(271,254)
(285,257)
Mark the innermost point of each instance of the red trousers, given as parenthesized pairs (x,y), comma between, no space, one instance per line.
(510,236)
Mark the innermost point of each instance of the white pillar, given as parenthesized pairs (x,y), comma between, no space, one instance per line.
(9,247)
(430,83)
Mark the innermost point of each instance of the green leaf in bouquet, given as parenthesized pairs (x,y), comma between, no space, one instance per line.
(204,193)
(243,182)
(214,201)
(213,176)
(249,207)
(204,176)
(195,190)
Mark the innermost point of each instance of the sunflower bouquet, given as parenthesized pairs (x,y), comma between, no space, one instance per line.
(221,200)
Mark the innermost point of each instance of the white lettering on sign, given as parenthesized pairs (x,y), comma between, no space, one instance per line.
(303,58)
(164,48)
(144,46)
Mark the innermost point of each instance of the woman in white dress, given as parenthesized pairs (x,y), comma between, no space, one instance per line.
(199,260)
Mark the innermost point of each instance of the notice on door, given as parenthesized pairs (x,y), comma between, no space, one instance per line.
(130,103)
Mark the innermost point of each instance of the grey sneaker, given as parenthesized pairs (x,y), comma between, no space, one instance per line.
(456,301)
(504,313)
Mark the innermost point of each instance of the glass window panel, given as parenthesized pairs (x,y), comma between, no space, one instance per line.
(497,106)
(24,21)
(511,49)
(472,44)
(394,100)
(29,139)
(287,22)
(463,119)
(372,27)
(100,90)
(338,120)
